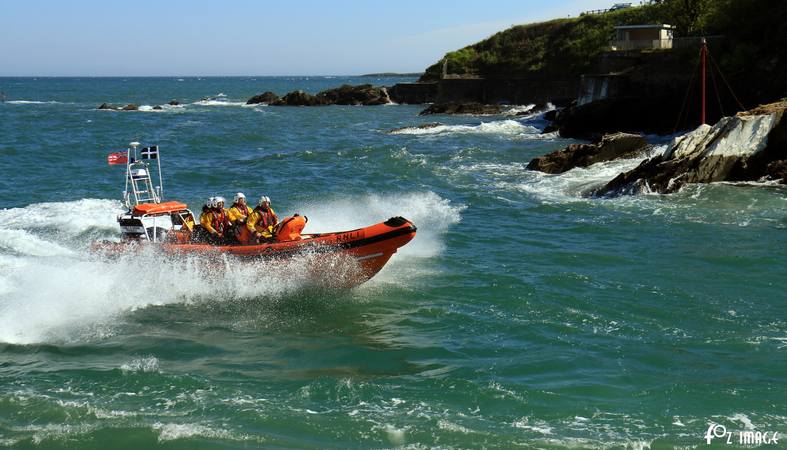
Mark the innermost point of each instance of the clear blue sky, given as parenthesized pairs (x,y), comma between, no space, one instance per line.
(246,37)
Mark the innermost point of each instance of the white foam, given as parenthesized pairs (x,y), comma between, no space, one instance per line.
(144,365)
(216,102)
(31,102)
(24,243)
(55,292)
(432,214)
(82,298)
(539,426)
(161,108)
(70,217)
(568,186)
(174,431)
(396,436)
(744,420)
(502,127)
(519,109)
(451,426)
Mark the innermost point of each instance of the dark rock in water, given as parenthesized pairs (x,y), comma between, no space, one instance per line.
(173,103)
(746,147)
(461,108)
(365,94)
(423,126)
(551,128)
(129,107)
(550,115)
(777,170)
(299,98)
(157,107)
(266,97)
(611,146)
(591,120)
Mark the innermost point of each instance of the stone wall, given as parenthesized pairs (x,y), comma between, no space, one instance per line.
(414,93)
(487,91)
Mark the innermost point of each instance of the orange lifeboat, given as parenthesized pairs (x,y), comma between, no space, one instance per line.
(171,227)
(369,247)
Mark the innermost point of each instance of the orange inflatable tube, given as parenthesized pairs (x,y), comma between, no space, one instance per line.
(290,228)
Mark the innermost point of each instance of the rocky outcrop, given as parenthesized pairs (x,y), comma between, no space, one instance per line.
(461,108)
(267,97)
(299,98)
(777,170)
(591,120)
(365,94)
(746,147)
(611,146)
(128,107)
(173,103)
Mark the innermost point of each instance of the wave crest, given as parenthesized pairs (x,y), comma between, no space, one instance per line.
(502,127)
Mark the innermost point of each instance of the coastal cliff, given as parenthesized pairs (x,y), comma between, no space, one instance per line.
(557,60)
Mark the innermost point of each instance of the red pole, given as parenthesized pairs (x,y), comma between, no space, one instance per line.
(703,57)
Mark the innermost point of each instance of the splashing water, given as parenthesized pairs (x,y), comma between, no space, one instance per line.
(61,292)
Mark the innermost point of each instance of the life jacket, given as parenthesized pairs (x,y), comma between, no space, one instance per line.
(206,218)
(290,228)
(219,220)
(267,218)
(242,212)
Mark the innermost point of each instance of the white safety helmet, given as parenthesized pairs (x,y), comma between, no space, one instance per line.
(220,200)
(211,203)
(264,199)
(239,196)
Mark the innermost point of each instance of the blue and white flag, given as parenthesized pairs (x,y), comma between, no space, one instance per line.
(150,152)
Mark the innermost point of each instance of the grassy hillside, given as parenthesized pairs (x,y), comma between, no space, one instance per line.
(757,31)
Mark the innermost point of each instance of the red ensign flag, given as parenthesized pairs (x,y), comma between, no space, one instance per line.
(117,158)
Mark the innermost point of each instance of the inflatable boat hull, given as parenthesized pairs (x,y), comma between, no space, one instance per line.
(368,248)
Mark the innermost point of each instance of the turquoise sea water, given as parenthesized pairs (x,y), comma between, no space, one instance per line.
(523,315)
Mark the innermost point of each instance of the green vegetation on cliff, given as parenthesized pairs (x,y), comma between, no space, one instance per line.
(757,30)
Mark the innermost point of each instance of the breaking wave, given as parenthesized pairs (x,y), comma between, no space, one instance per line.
(31,102)
(218,102)
(569,186)
(502,127)
(53,289)
(161,108)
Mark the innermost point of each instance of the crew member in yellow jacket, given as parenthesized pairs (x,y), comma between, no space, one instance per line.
(214,220)
(239,211)
(262,220)
(238,214)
